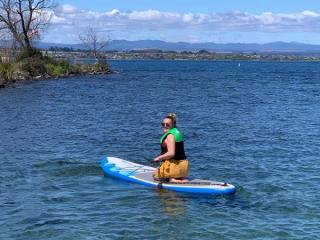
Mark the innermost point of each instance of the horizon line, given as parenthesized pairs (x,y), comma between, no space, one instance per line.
(159,40)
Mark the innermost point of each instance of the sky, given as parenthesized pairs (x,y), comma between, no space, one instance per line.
(228,21)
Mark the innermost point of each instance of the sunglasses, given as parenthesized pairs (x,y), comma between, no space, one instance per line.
(165,124)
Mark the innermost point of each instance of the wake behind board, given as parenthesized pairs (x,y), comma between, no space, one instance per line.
(138,173)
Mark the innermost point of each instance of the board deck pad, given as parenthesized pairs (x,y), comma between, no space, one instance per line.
(138,173)
(148,176)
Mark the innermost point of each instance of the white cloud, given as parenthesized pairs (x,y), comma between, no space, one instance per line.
(310,14)
(154,19)
(149,15)
(74,19)
(114,12)
(58,20)
(68,9)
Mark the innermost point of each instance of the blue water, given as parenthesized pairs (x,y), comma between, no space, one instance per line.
(256,126)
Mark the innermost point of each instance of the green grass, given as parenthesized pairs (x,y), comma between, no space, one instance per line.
(39,65)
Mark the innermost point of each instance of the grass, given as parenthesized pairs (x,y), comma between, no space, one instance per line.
(6,72)
(39,65)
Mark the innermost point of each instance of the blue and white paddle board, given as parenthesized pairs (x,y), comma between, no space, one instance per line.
(141,174)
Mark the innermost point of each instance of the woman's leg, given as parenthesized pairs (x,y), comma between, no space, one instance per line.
(181,171)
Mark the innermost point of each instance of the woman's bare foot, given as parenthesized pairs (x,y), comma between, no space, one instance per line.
(178,180)
(155,177)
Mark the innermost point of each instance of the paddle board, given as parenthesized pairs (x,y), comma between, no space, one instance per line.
(134,172)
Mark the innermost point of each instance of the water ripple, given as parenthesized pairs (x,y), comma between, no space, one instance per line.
(256,127)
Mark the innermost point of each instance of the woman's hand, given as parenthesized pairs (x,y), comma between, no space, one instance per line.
(157,159)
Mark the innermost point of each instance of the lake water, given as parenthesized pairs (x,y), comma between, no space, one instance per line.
(256,126)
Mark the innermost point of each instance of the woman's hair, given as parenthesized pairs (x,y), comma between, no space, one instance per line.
(173,117)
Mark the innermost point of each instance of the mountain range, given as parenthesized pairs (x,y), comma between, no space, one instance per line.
(125,45)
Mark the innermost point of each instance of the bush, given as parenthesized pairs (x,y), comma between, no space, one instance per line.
(75,68)
(28,53)
(57,68)
(6,72)
(65,66)
(31,63)
(54,70)
(35,66)
(101,65)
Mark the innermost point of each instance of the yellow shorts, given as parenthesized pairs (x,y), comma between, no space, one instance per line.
(173,169)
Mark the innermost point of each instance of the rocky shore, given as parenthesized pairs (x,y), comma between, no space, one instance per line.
(23,78)
(39,68)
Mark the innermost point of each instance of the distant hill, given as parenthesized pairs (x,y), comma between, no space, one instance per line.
(124,45)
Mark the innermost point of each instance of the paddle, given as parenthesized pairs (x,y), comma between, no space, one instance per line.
(142,166)
(138,168)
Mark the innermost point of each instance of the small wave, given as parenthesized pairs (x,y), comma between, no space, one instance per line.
(68,168)
(60,162)
(80,170)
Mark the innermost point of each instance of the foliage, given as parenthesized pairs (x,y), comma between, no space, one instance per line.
(34,66)
(39,66)
(6,72)
(29,52)
(102,65)
(57,68)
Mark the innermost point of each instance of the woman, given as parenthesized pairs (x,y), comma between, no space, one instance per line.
(175,166)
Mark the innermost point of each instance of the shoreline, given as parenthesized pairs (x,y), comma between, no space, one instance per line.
(150,54)
(15,81)
(214,60)
(39,67)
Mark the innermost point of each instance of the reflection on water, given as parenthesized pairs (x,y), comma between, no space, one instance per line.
(172,203)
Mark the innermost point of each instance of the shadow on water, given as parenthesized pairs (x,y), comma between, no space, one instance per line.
(78,171)
(66,168)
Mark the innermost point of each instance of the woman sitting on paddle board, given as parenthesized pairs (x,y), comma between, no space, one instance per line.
(175,166)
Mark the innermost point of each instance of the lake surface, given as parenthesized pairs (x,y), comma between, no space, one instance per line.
(256,126)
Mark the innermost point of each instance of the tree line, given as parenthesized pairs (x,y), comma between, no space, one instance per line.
(22,22)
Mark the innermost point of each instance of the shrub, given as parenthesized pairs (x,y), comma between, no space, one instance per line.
(35,66)
(75,68)
(101,65)
(58,68)
(28,53)
(6,72)
(64,65)
(54,70)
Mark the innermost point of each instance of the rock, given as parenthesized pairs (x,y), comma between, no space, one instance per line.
(38,77)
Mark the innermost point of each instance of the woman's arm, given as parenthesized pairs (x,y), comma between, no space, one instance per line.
(171,146)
